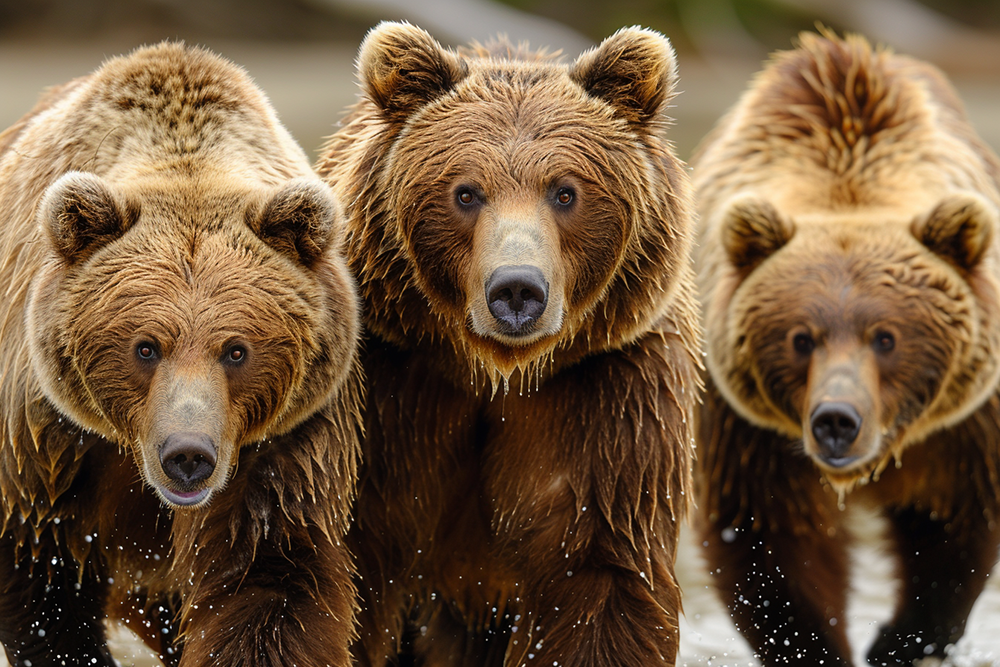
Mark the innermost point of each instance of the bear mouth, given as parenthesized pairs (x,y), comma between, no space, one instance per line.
(184,498)
(839,462)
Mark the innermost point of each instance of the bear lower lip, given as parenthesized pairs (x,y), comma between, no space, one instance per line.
(516,328)
(840,462)
(184,498)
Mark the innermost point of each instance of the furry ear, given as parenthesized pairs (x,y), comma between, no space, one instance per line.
(752,231)
(299,221)
(82,214)
(402,67)
(959,229)
(633,70)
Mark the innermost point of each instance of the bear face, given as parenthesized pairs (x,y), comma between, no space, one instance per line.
(857,334)
(522,194)
(185,340)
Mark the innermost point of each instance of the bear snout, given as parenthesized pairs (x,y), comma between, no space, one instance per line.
(835,426)
(188,459)
(516,296)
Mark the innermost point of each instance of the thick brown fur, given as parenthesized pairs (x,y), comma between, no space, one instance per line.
(848,266)
(520,495)
(170,265)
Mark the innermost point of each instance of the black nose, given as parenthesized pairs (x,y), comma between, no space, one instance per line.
(835,426)
(516,295)
(188,458)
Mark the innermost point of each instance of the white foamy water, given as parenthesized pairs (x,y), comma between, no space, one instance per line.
(709,639)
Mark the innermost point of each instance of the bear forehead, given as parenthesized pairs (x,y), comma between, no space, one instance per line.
(510,96)
(522,133)
(199,267)
(840,284)
(867,259)
(205,300)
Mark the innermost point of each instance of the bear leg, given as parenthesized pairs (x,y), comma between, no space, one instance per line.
(155,623)
(291,606)
(943,569)
(381,610)
(50,614)
(772,541)
(441,640)
(273,577)
(785,593)
(588,481)
(599,616)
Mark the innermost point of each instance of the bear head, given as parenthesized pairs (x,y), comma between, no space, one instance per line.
(186,318)
(512,204)
(854,332)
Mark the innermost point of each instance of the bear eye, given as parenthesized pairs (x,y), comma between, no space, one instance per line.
(466,197)
(565,196)
(235,355)
(884,341)
(803,343)
(146,351)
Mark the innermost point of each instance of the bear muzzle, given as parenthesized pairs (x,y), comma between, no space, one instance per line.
(835,426)
(841,420)
(516,296)
(190,439)
(188,460)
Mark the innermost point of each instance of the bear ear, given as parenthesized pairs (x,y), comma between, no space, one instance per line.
(752,231)
(960,229)
(82,214)
(402,67)
(633,70)
(299,221)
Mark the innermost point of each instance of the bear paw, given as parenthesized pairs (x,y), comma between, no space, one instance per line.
(896,646)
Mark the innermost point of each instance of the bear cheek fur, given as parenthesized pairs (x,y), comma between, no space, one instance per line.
(49,309)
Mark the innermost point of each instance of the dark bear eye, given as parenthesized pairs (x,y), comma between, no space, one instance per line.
(146,351)
(236,354)
(565,196)
(465,196)
(884,341)
(803,343)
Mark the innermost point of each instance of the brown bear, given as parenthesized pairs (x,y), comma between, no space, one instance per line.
(178,375)
(848,266)
(520,232)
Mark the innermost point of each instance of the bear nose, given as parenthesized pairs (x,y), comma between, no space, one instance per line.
(516,295)
(835,425)
(188,458)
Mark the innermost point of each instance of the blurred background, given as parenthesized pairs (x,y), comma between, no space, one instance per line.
(301,52)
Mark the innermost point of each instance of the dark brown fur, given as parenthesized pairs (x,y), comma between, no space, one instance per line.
(158,205)
(520,497)
(849,258)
